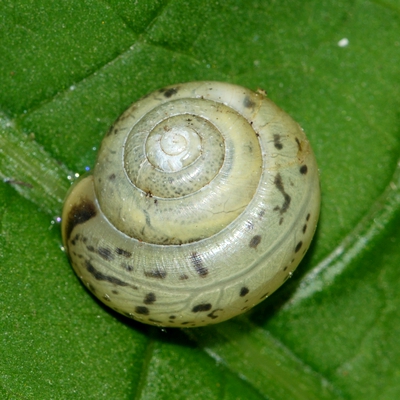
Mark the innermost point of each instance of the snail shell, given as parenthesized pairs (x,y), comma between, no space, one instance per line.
(203,200)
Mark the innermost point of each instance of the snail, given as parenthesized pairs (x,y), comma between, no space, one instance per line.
(203,200)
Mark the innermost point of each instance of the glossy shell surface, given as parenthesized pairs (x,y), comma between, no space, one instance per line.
(203,200)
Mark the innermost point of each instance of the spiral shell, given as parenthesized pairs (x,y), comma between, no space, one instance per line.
(203,200)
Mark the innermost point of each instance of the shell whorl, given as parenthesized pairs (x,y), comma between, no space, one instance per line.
(203,200)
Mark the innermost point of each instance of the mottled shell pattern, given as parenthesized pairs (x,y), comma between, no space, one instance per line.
(203,200)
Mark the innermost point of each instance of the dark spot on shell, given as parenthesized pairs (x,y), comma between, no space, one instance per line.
(212,313)
(277,142)
(202,307)
(279,185)
(264,295)
(172,316)
(102,277)
(122,252)
(304,228)
(248,103)
(112,177)
(298,247)
(280,220)
(91,287)
(169,92)
(155,273)
(303,169)
(90,248)
(249,225)
(157,321)
(245,308)
(285,268)
(142,310)
(113,129)
(185,322)
(105,253)
(114,291)
(243,291)
(79,214)
(150,298)
(255,241)
(298,144)
(308,217)
(127,267)
(191,240)
(147,216)
(197,262)
(183,277)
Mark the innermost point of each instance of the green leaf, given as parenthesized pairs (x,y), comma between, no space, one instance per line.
(68,69)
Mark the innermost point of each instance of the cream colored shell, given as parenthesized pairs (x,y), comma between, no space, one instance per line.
(203,200)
